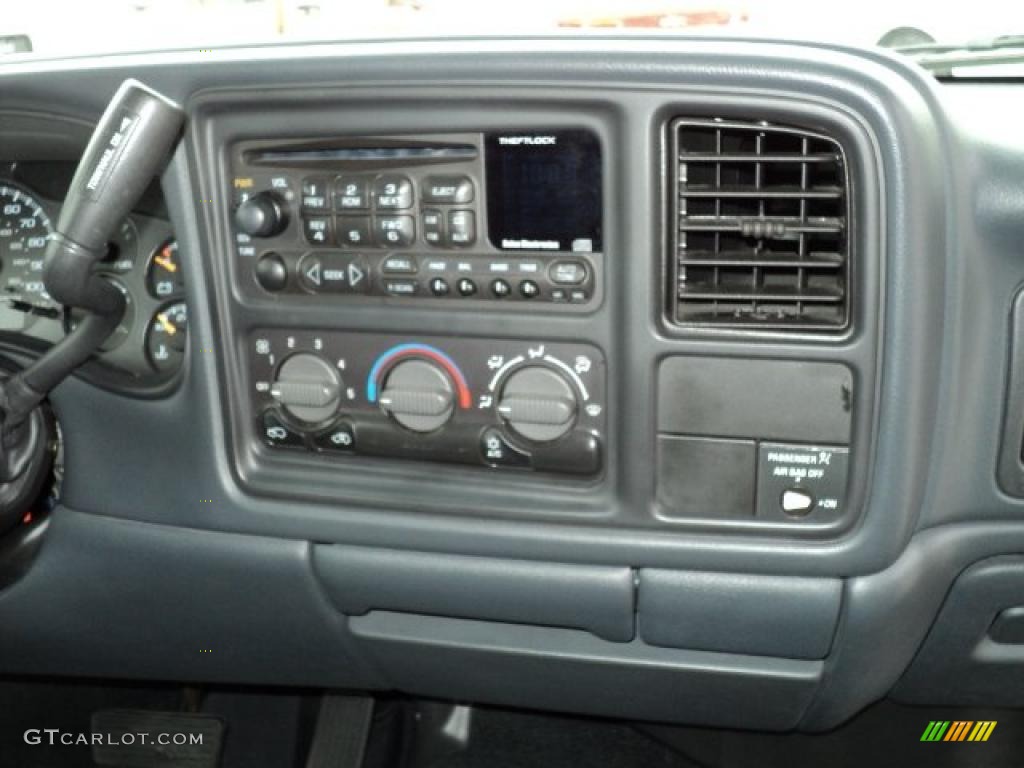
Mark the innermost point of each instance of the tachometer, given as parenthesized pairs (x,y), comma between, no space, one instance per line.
(24,229)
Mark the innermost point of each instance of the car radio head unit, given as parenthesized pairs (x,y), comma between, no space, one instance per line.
(510,216)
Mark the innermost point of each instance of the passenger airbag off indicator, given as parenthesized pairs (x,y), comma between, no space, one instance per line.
(801,482)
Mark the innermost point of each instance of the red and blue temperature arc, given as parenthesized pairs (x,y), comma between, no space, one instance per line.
(419,350)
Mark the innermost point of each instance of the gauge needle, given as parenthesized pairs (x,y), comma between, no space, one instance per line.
(167,324)
(165,261)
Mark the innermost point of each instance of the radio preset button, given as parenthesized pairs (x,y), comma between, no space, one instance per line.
(350,194)
(433,227)
(315,194)
(354,231)
(317,229)
(271,272)
(399,265)
(448,189)
(394,231)
(568,272)
(500,288)
(466,286)
(400,287)
(529,289)
(461,227)
(392,193)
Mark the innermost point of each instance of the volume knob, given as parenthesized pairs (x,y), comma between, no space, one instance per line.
(538,404)
(308,388)
(262,215)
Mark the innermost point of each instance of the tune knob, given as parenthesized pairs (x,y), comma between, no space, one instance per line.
(308,388)
(538,404)
(262,215)
(418,395)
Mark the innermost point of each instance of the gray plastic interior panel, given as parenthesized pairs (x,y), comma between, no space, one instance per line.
(594,599)
(705,477)
(960,662)
(755,399)
(781,616)
(887,615)
(123,599)
(1011,451)
(576,672)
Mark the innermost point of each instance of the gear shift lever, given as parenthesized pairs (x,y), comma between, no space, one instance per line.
(130,145)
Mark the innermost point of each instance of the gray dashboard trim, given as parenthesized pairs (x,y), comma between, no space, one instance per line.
(895,103)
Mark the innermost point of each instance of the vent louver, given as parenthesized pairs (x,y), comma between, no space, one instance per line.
(760,236)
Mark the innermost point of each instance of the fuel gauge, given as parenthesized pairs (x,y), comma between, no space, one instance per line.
(166,337)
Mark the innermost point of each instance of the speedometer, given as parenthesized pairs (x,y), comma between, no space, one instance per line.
(24,230)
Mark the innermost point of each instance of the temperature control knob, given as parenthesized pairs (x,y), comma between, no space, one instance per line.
(308,388)
(538,404)
(262,215)
(418,395)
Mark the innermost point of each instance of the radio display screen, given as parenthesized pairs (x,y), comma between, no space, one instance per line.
(544,190)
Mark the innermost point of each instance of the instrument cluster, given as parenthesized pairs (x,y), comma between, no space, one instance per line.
(142,261)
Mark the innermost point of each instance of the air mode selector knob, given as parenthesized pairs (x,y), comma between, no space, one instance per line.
(308,388)
(262,215)
(418,395)
(538,404)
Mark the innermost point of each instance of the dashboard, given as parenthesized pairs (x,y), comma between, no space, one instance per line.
(685,369)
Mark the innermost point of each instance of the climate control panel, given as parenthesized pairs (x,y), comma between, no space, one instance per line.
(493,403)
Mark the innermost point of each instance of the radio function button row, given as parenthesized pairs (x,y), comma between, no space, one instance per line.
(568,272)
(316,195)
(529,289)
(466,287)
(394,231)
(272,272)
(461,227)
(399,265)
(456,190)
(439,286)
(277,434)
(354,231)
(333,273)
(496,451)
(339,438)
(433,227)
(400,287)
(392,193)
(317,229)
(350,194)
(500,288)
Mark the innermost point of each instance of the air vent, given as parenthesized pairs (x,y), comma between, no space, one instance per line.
(761,236)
